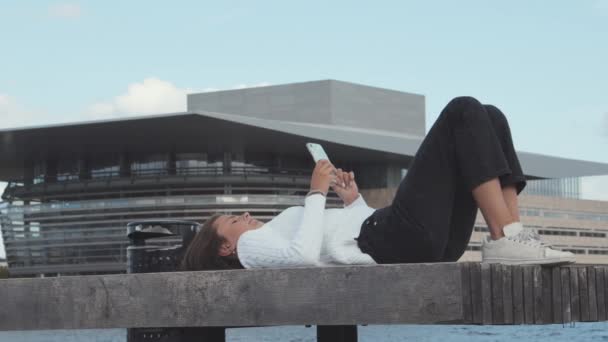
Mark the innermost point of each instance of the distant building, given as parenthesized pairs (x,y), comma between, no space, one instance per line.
(561,187)
(74,187)
(3,262)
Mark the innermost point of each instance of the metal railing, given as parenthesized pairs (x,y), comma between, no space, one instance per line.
(169,171)
(18,189)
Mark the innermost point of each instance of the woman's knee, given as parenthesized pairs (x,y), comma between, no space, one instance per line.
(464,101)
(466,108)
(497,116)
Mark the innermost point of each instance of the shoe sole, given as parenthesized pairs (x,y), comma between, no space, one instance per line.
(528,262)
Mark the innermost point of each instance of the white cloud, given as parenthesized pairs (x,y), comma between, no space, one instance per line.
(243,85)
(150,96)
(13,114)
(65,10)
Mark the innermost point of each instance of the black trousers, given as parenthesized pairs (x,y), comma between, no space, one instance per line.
(433,213)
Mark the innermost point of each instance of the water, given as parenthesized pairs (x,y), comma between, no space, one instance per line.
(377,333)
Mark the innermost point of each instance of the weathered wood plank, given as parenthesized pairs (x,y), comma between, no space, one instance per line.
(340,295)
(476,291)
(592,294)
(331,296)
(538,294)
(547,295)
(575,305)
(600,289)
(498,311)
(486,293)
(528,294)
(565,286)
(467,304)
(583,293)
(557,294)
(507,293)
(518,295)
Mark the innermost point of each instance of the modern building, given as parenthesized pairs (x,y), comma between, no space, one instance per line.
(74,187)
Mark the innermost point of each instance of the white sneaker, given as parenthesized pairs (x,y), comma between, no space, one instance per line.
(513,250)
(516,229)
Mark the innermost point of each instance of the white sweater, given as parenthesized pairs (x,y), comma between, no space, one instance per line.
(307,236)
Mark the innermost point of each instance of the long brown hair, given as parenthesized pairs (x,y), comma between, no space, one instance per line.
(203,252)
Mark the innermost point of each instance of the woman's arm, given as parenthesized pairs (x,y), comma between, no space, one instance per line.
(306,243)
(267,248)
(309,236)
(304,248)
(357,202)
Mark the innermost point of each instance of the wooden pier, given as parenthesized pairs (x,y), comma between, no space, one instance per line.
(500,294)
(336,299)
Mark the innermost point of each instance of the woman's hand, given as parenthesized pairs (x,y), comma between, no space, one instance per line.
(323,176)
(346,187)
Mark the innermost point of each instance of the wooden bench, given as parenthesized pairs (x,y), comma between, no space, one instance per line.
(336,299)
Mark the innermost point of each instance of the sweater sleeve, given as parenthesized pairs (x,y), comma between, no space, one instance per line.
(258,250)
(359,201)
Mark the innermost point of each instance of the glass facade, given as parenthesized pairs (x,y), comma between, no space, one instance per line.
(67,170)
(564,214)
(76,224)
(104,166)
(150,165)
(190,163)
(558,187)
(50,237)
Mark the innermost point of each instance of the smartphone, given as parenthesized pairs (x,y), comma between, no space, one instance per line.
(316,151)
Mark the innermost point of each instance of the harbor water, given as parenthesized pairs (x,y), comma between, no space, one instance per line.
(377,333)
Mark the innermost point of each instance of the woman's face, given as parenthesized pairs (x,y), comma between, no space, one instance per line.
(231,226)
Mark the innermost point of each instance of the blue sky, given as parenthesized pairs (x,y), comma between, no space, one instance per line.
(542,62)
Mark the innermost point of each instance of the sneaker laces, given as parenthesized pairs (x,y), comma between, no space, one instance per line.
(524,240)
(530,235)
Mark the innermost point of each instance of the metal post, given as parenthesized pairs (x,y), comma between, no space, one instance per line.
(337,333)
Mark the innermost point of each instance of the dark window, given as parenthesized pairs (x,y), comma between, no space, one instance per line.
(575,251)
(556,232)
(104,166)
(598,251)
(592,234)
(67,170)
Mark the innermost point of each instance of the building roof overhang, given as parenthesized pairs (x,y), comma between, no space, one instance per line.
(208,131)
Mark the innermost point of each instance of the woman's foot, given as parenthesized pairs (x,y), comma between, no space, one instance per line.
(522,246)
(508,250)
(516,229)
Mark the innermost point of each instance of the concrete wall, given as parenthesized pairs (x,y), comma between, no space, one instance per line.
(322,102)
(369,107)
(301,102)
